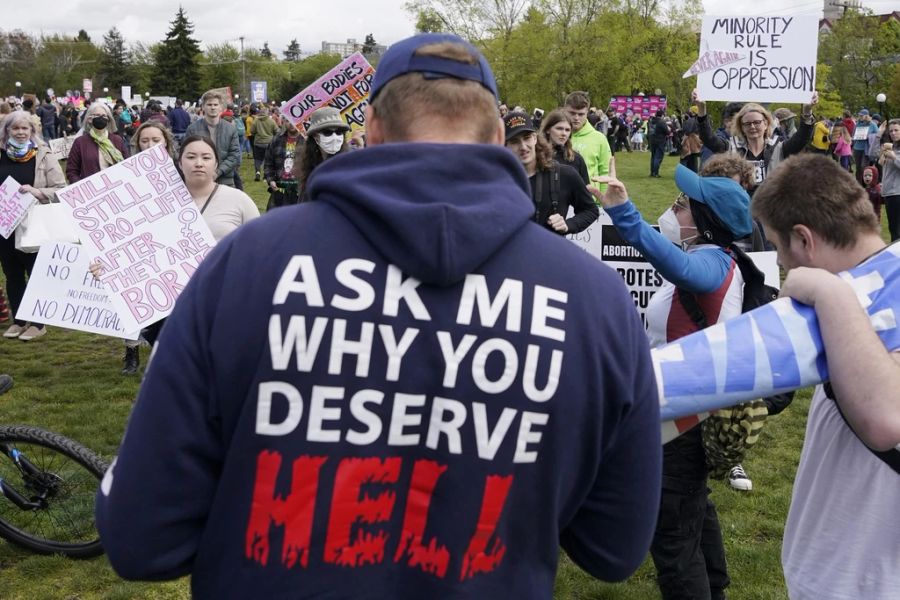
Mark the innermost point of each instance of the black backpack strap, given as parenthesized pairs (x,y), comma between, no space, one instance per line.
(537,197)
(692,307)
(554,190)
(890,457)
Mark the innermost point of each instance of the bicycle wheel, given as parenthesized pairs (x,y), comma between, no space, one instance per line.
(59,489)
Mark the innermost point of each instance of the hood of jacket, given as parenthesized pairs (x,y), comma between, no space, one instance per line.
(437,211)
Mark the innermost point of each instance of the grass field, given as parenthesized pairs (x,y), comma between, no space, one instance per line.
(69,382)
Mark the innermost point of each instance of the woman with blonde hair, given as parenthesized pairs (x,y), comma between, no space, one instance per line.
(752,136)
(26,158)
(153,133)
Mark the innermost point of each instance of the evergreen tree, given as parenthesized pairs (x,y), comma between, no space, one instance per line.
(82,36)
(265,52)
(369,44)
(177,71)
(115,62)
(293,51)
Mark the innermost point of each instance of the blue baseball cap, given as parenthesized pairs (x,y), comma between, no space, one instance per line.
(401,59)
(724,196)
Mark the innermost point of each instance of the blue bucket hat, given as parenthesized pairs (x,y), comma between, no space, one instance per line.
(401,59)
(725,197)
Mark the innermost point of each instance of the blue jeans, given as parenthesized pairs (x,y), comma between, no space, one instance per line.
(657,153)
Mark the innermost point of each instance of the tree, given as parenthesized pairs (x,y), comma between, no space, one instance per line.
(177,71)
(143,65)
(293,51)
(428,21)
(115,67)
(369,44)
(265,52)
(83,36)
(222,66)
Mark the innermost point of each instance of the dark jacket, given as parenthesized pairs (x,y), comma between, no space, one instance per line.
(47,113)
(273,165)
(576,163)
(84,157)
(554,190)
(346,494)
(179,119)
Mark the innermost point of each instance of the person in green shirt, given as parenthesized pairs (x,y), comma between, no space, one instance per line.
(587,141)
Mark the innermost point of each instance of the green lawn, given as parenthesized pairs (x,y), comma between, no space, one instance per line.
(69,382)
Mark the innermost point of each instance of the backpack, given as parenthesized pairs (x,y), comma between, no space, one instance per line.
(728,433)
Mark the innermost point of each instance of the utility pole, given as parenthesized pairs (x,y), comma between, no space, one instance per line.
(243,71)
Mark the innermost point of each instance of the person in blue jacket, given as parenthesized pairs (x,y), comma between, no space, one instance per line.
(692,251)
(394,391)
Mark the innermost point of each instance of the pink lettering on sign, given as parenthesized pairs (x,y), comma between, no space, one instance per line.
(13,206)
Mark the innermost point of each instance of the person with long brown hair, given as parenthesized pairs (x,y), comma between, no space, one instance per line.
(557,130)
(554,186)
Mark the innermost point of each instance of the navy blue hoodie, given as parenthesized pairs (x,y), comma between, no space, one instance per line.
(403,389)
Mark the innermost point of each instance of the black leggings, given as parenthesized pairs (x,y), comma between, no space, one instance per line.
(892,208)
(17,266)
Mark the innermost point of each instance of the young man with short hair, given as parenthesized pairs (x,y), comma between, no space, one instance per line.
(364,395)
(587,141)
(842,538)
(222,133)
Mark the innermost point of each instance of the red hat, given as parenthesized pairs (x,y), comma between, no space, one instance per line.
(227,113)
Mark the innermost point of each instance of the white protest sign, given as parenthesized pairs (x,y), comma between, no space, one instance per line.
(62,292)
(60,147)
(602,241)
(144,228)
(13,206)
(779,63)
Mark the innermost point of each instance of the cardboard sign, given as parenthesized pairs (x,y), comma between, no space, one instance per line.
(62,292)
(645,106)
(126,92)
(139,220)
(345,87)
(60,147)
(13,206)
(778,61)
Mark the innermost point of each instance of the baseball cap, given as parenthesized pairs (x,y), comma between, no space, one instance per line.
(401,59)
(516,123)
(864,112)
(784,113)
(723,195)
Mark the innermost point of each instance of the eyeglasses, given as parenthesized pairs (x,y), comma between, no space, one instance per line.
(681,203)
(758,123)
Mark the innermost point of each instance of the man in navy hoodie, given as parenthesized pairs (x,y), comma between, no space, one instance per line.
(394,390)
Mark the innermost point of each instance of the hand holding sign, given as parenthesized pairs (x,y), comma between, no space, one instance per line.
(700,104)
(38,194)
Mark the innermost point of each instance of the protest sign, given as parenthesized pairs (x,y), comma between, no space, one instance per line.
(13,206)
(62,292)
(345,87)
(126,92)
(645,106)
(602,241)
(145,229)
(777,58)
(259,91)
(87,86)
(60,147)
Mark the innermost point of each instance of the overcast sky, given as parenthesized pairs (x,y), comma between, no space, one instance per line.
(309,21)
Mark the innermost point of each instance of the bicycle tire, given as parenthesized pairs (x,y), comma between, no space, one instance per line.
(66,524)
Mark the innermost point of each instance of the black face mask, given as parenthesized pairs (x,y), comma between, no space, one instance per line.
(99,122)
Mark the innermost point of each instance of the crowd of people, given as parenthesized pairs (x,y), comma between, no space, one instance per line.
(431,242)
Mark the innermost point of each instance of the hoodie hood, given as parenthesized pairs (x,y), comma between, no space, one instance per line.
(437,211)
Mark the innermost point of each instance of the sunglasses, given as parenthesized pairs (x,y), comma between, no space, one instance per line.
(681,203)
(331,131)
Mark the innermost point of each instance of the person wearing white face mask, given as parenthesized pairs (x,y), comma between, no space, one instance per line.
(324,138)
(693,251)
